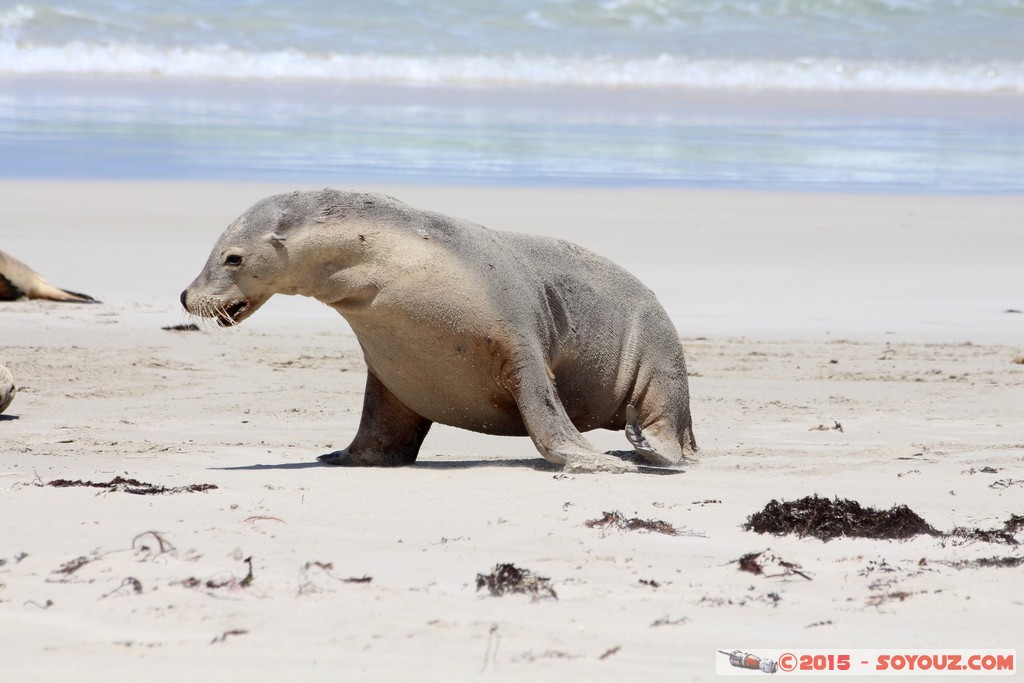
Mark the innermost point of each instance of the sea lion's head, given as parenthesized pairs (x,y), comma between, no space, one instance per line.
(276,247)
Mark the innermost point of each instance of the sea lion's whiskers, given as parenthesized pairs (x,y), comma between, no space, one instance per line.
(194,319)
(219,312)
(205,314)
(204,321)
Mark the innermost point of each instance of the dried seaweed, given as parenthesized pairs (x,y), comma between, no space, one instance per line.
(72,566)
(163,545)
(615,520)
(826,622)
(1006,535)
(505,579)
(224,636)
(230,582)
(983,562)
(983,535)
(190,327)
(881,598)
(247,581)
(128,485)
(358,579)
(308,584)
(755,563)
(827,519)
(749,563)
(129,585)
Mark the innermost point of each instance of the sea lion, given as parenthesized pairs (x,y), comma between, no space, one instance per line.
(494,332)
(7,388)
(18,280)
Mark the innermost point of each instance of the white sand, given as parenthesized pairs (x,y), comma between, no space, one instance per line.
(886,314)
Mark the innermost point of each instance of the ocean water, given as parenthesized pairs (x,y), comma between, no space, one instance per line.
(849,95)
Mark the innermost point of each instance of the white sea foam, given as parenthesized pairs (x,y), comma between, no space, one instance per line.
(13,18)
(221,62)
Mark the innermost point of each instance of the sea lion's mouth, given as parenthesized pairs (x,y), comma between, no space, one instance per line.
(230,314)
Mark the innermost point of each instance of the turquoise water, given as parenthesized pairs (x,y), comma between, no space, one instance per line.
(853,95)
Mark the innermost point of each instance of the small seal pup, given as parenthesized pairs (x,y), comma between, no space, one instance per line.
(494,332)
(18,280)
(7,388)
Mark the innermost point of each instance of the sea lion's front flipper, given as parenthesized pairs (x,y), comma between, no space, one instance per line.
(389,434)
(549,426)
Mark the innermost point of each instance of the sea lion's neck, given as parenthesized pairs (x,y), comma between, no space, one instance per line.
(354,302)
(347,289)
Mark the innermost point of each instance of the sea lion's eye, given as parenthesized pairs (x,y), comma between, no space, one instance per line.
(233,260)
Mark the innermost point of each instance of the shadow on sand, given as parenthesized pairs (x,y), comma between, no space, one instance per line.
(537,464)
(532,463)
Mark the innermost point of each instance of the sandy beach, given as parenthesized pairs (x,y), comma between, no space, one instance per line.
(854,346)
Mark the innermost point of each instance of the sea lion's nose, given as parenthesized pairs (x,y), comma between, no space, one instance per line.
(184,296)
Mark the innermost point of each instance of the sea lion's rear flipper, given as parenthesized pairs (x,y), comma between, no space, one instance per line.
(48,291)
(8,292)
(18,280)
(646,451)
